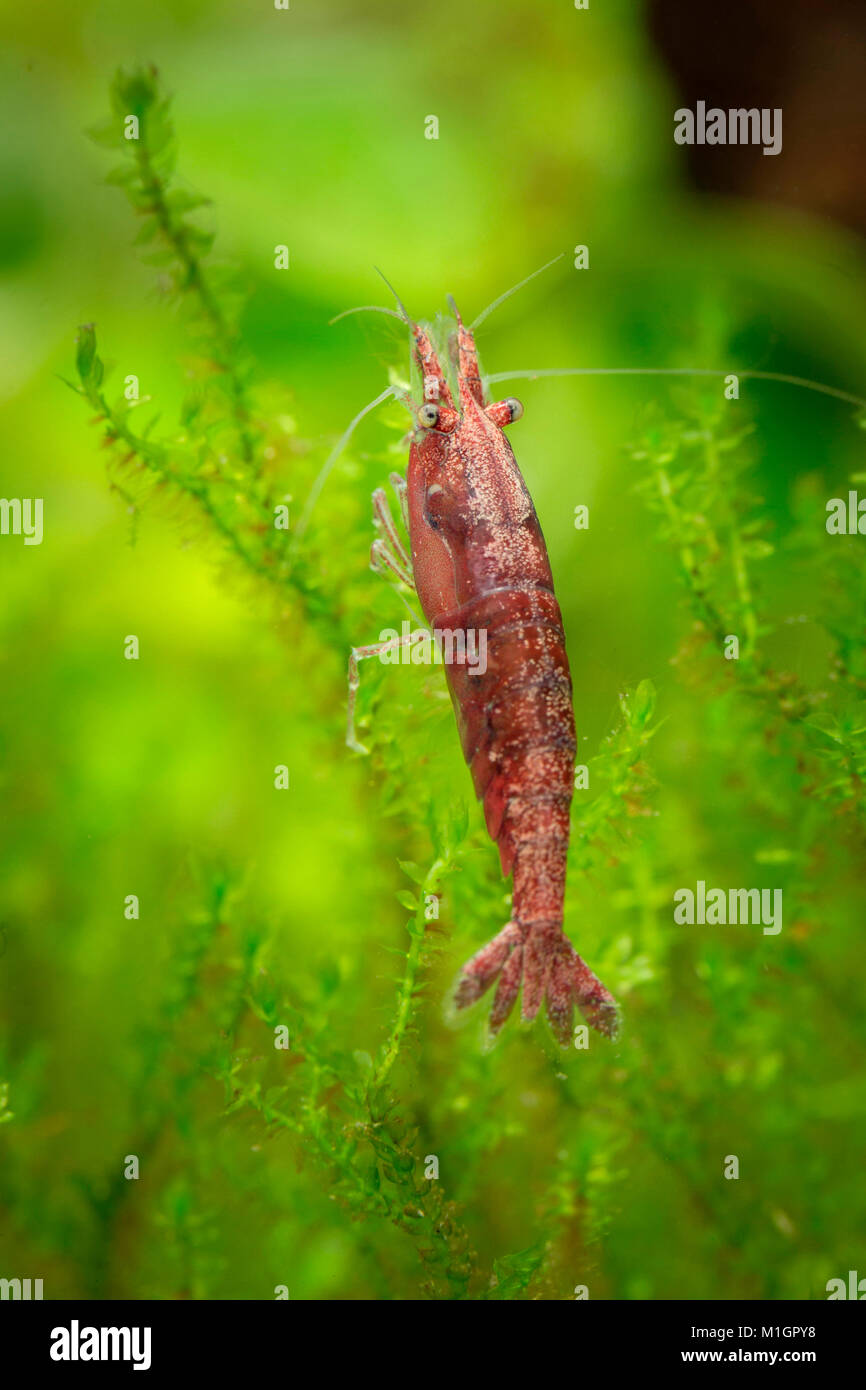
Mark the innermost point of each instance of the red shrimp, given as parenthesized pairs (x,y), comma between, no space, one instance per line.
(480,567)
(479,564)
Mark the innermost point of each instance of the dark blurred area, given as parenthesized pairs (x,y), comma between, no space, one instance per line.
(807,58)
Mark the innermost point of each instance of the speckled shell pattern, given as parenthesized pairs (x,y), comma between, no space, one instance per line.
(480,566)
(517,730)
(516,726)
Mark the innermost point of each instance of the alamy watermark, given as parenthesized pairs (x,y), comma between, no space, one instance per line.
(731,907)
(455,646)
(22,516)
(846,517)
(854,1288)
(77,1343)
(738,126)
(21,1289)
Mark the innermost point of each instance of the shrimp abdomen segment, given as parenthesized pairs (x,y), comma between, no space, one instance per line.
(517,730)
(515,715)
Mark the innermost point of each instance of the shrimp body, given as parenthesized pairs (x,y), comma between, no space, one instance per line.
(480,566)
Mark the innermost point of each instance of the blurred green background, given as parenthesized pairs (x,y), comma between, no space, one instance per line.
(155,777)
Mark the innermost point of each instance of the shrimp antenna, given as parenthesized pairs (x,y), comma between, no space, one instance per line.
(455,311)
(322,476)
(508,293)
(400,305)
(365,309)
(745,372)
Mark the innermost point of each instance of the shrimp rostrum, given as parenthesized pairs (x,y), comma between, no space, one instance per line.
(479,564)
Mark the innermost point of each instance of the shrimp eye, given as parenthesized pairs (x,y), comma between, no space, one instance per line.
(428,416)
(505,412)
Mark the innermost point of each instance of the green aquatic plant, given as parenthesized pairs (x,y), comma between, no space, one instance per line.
(306,1117)
(340,1104)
